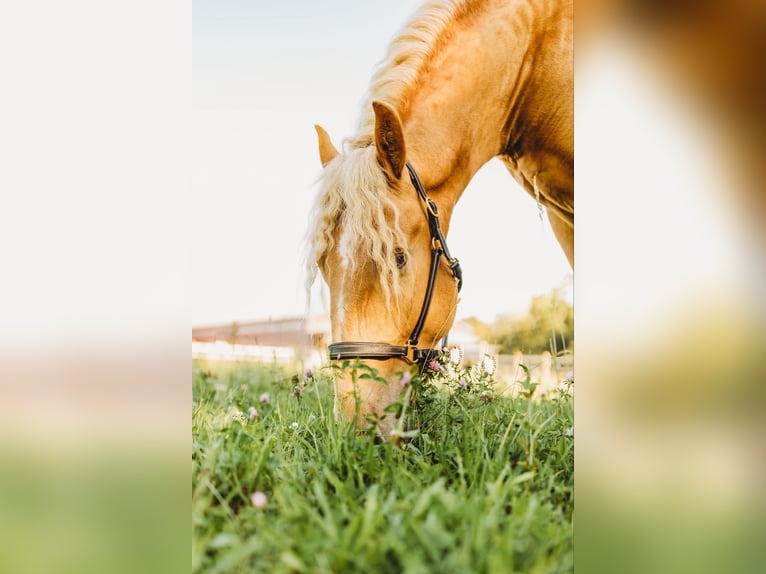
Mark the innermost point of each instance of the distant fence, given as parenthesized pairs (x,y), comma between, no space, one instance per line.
(286,356)
(222,351)
(548,371)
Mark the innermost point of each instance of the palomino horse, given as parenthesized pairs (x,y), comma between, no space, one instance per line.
(465,81)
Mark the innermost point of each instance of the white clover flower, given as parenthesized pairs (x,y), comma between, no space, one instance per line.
(489,364)
(259,499)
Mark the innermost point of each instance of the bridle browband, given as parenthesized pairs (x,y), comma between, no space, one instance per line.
(409,352)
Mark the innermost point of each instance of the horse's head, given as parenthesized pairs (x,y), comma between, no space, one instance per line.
(373,239)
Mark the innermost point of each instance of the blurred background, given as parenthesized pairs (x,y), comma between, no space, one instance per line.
(145,192)
(669,301)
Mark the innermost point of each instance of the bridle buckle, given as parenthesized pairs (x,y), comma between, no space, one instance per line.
(409,356)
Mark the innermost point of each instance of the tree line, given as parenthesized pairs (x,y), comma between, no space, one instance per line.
(547,325)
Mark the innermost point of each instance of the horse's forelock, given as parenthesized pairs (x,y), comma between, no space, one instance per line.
(355,214)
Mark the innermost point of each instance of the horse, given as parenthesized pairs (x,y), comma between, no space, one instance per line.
(463,82)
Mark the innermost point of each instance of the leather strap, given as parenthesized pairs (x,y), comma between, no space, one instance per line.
(380,352)
(432,273)
(434,226)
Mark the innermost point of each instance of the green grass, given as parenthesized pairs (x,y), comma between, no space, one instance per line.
(482,483)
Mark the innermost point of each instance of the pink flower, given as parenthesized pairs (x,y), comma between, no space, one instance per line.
(259,499)
(463,383)
(253,412)
(308,373)
(406,378)
(264,398)
(435,366)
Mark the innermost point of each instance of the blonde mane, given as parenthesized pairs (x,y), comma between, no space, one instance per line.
(353,211)
(409,53)
(354,214)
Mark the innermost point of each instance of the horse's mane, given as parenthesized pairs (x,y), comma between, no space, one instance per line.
(399,72)
(354,196)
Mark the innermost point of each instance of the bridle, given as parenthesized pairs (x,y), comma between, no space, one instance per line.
(409,352)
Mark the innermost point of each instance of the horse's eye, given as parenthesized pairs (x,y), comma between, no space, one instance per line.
(401,258)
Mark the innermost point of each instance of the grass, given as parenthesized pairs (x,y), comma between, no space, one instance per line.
(482,483)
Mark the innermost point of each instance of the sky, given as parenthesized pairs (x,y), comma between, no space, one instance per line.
(263,74)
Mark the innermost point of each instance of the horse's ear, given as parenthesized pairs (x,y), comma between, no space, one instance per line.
(327,151)
(389,139)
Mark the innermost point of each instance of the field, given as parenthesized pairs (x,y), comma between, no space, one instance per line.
(478,483)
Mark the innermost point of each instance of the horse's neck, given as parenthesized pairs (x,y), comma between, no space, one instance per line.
(474,102)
